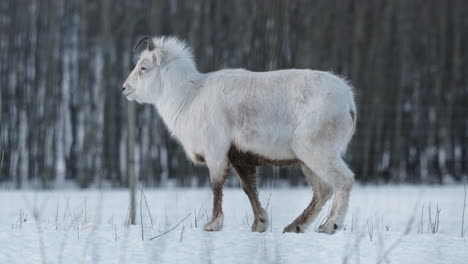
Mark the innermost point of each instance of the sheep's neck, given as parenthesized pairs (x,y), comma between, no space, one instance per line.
(175,98)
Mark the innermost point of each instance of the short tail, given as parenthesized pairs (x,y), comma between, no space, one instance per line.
(352,112)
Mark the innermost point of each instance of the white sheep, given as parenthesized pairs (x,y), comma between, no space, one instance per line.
(244,119)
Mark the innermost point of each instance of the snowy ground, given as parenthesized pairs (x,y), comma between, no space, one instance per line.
(89,227)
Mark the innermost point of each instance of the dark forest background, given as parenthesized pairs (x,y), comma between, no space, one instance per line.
(62,64)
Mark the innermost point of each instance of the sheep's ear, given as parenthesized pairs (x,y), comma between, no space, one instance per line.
(157,58)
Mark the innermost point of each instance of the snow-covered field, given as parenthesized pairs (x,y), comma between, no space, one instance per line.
(388,224)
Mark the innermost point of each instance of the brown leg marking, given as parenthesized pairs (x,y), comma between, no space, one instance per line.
(245,170)
(217,219)
(244,162)
(322,192)
(218,197)
(247,179)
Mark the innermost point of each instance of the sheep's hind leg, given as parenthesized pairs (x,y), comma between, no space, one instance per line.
(218,177)
(246,174)
(322,192)
(343,179)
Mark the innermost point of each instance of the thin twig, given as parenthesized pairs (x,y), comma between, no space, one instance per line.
(182,234)
(147,208)
(85,214)
(268,202)
(421,223)
(171,228)
(198,216)
(67,210)
(127,220)
(1,162)
(246,219)
(429,221)
(56,216)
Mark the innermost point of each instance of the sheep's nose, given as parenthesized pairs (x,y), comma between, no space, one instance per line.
(123,88)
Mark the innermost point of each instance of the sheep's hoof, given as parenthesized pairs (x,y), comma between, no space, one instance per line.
(261,223)
(328,228)
(215,224)
(293,228)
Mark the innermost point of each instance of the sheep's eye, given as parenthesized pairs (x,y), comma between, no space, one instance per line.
(143,69)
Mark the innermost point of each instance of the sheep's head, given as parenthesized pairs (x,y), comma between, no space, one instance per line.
(142,83)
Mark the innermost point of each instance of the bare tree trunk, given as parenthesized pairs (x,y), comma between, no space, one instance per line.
(131,159)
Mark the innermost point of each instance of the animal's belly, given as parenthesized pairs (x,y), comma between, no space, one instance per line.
(272,148)
(238,156)
(266,133)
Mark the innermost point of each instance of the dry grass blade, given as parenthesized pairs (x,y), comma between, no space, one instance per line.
(180,222)
(147,208)
(268,202)
(181,234)
(197,216)
(433,225)
(421,222)
(1,162)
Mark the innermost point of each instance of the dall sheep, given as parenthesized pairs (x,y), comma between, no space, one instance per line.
(242,119)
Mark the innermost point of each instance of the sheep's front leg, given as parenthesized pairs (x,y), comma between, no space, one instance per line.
(218,177)
(246,174)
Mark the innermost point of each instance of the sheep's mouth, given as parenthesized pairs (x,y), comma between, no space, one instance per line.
(128,92)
